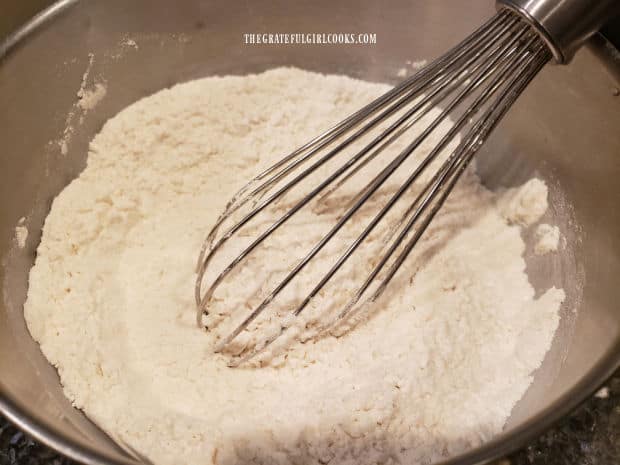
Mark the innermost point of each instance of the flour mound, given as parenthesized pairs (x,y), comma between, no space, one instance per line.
(434,373)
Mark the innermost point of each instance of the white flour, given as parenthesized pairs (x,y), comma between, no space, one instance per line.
(89,98)
(437,371)
(548,239)
(21,233)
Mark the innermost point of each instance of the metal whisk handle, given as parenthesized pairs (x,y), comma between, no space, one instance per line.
(564,24)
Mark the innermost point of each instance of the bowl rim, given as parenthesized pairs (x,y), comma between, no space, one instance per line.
(500,446)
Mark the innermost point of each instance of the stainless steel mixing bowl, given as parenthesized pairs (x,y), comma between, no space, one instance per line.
(565,129)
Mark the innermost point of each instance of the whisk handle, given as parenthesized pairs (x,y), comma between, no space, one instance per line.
(564,24)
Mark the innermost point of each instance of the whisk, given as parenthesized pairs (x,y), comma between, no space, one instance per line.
(474,84)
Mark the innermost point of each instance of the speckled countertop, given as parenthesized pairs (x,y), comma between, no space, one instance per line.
(590,436)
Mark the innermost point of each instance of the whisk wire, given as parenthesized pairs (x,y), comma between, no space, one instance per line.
(491,67)
(319,142)
(525,68)
(462,157)
(498,24)
(453,80)
(482,72)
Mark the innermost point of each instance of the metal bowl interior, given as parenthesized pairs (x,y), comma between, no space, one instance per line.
(564,130)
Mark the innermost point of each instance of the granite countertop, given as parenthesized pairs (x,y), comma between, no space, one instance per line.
(590,436)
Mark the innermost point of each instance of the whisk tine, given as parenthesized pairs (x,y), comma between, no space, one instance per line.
(429,101)
(454,167)
(491,67)
(432,189)
(373,186)
(319,142)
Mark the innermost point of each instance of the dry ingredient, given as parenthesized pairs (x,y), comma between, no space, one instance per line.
(436,372)
(21,233)
(548,239)
(89,98)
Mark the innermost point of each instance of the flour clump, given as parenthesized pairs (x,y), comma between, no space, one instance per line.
(548,239)
(110,301)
